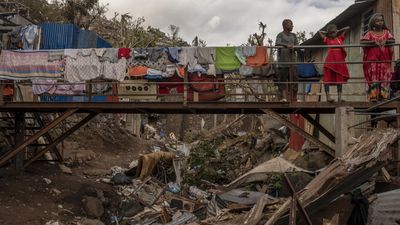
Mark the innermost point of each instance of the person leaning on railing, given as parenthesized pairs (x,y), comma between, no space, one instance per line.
(378,74)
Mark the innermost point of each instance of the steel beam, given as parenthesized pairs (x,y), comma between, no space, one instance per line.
(48,136)
(34,137)
(61,138)
(319,127)
(300,131)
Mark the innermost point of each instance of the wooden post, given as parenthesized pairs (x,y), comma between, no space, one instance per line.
(344,117)
(19,139)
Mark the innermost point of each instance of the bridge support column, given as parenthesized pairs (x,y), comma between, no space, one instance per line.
(19,139)
(344,117)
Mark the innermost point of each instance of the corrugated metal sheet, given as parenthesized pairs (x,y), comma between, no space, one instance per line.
(101,43)
(58,36)
(385,210)
(87,39)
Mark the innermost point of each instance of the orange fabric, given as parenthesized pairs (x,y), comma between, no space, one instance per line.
(260,59)
(8,90)
(181,71)
(138,71)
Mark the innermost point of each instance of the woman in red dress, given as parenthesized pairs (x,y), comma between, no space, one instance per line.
(335,72)
(377,58)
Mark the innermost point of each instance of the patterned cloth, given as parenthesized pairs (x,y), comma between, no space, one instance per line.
(18,65)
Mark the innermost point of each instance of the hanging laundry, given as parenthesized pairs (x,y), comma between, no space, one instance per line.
(172,85)
(226,59)
(111,55)
(187,57)
(240,56)
(29,35)
(197,69)
(71,53)
(114,71)
(28,64)
(249,51)
(245,70)
(202,83)
(173,54)
(260,59)
(170,71)
(124,53)
(153,74)
(82,68)
(137,71)
(155,53)
(42,86)
(205,55)
(56,55)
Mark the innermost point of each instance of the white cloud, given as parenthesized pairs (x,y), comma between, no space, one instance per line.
(230,21)
(214,22)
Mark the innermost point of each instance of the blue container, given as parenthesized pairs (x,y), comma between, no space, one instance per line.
(101,43)
(307,70)
(58,36)
(87,39)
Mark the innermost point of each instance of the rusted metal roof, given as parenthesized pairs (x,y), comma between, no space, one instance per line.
(342,19)
(385,210)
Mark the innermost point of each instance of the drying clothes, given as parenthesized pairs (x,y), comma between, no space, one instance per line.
(246,70)
(160,64)
(124,53)
(101,88)
(173,54)
(114,71)
(29,34)
(197,69)
(100,52)
(155,53)
(56,55)
(211,70)
(226,59)
(28,64)
(260,59)
(138,71)
(111,55)
(41,86)
(205,55)
(72,53)
(140,53)
(187,57)
(175,87)
(82,68)
(153,74)
(249,51)
(240,56)
(170,71)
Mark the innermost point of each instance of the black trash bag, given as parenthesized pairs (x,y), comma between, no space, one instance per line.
(359,215)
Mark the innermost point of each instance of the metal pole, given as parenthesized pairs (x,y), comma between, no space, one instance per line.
(19,139)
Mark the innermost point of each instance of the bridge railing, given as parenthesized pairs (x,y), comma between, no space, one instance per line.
(230,87)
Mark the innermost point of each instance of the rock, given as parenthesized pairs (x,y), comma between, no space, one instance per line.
(91,222)
(131,208)
(121,179)
(47,180)
(55,192)
(65,169)
(53,222)
(93,207)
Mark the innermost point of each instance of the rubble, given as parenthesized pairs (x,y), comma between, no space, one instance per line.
(344,174)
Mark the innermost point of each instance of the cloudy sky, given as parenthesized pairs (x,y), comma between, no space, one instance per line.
(222,22)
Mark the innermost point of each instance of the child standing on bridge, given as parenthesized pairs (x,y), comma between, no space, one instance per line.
(377,58)
(335,68)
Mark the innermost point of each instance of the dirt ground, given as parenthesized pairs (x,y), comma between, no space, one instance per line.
(27,199)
